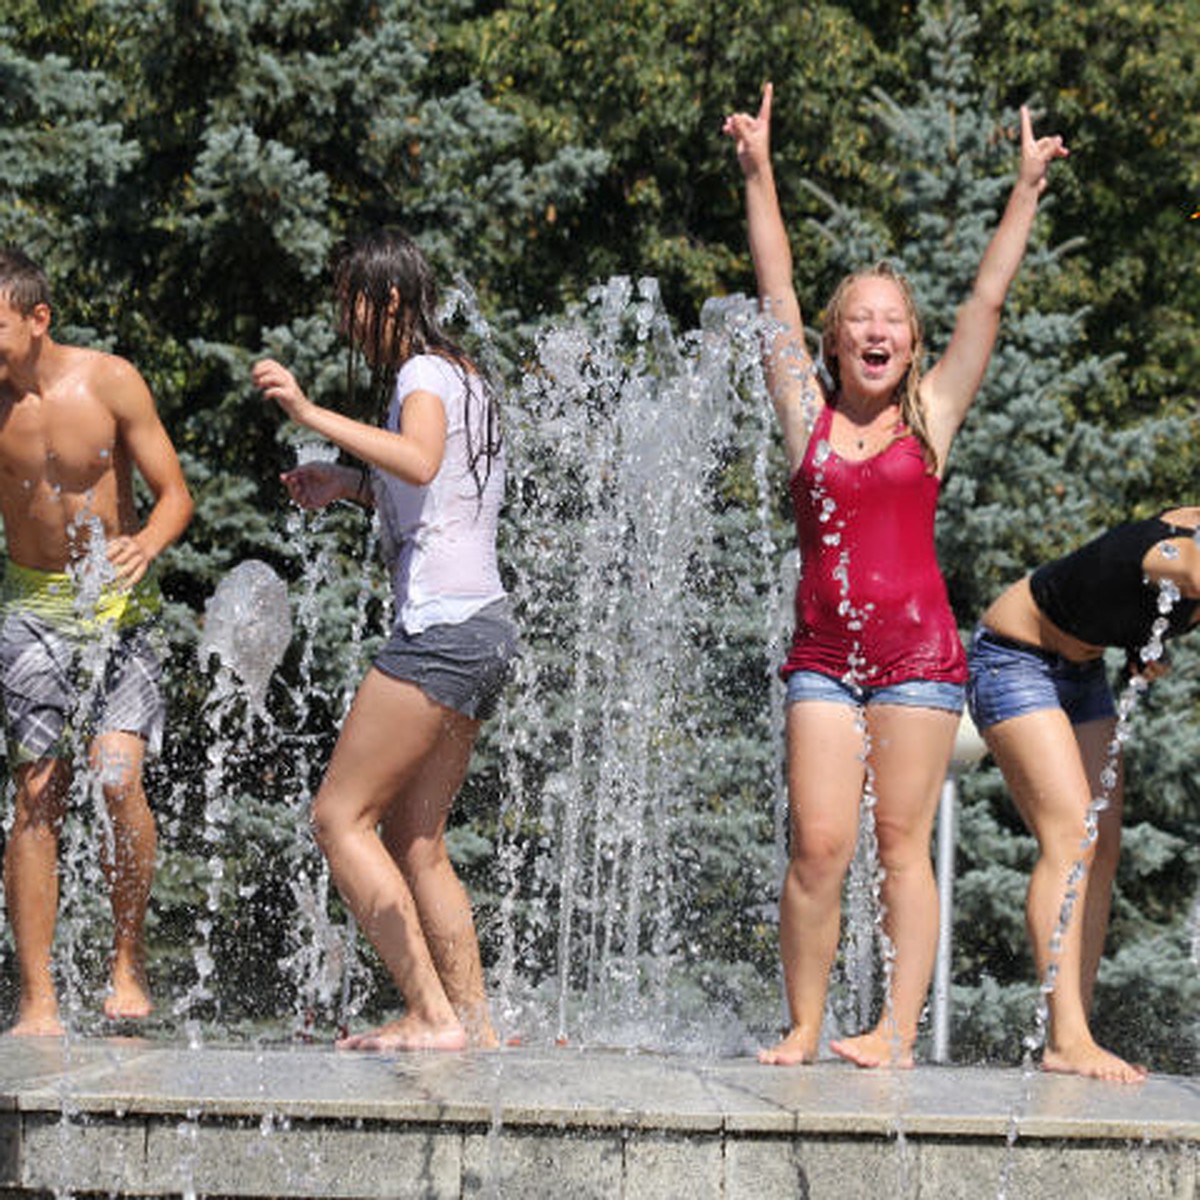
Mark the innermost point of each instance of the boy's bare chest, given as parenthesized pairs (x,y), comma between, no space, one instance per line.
(63,442)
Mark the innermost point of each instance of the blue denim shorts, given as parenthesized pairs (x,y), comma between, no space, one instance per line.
(1009,679)
(911,693)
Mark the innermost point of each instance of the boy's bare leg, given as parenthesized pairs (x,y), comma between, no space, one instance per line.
(31,890)
(127,857)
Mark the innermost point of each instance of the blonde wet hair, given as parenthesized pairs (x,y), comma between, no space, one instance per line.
(912,411)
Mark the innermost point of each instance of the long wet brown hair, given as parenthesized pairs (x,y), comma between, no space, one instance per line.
(912,411)
(387,300)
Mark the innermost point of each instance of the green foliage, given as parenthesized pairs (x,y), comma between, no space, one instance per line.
(183,170)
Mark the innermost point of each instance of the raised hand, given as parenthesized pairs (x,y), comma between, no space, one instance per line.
(1037,153)
(752,134)
(277,383)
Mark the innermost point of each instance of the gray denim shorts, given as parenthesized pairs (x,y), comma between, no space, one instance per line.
(463,666)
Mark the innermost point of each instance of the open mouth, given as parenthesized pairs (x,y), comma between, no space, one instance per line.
(876,357)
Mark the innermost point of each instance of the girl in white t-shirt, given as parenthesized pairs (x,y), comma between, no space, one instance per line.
(435,471)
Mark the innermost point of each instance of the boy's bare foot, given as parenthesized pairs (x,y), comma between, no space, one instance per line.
(481,1035)
(128,998)
(874,1049)
(1093,1062)
(407,1034)
(799,1046)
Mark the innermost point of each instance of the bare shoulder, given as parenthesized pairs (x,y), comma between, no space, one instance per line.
(115,382)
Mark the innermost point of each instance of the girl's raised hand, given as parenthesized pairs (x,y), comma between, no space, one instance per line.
(752,135)
(1037,153)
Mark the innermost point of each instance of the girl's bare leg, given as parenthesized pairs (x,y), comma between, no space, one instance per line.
(413,833)
(825,781)
(910,750)
(1050,770)
(391,731)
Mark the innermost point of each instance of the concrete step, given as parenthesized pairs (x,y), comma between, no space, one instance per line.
(131,1117)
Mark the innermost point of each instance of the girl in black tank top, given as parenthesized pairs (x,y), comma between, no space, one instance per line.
(1037,652)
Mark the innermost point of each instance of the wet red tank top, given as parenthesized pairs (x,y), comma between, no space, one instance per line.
(871,604)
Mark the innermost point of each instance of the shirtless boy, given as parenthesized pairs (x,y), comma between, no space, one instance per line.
(74,423)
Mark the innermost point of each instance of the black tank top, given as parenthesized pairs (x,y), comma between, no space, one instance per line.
(1098,593)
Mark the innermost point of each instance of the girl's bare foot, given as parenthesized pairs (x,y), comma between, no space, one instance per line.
(407,1034)
(799,1046)
(1093,1062)
(38,1020)
(874,1049)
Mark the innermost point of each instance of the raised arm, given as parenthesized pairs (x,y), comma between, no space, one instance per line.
(950,386)
(787,363)
(142,436)
(414,454)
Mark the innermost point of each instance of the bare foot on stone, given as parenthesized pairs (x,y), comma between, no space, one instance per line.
(799,1046)
(1092,1062)
(874,1049)
(38,1020)
(128,997)
(407,1035)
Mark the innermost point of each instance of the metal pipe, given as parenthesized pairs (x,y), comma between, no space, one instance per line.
(945,886)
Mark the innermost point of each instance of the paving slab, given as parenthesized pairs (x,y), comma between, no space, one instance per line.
(143,1117)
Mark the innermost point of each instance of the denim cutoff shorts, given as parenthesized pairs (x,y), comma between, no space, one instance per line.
(463,666)
(911,693)
(1009,679)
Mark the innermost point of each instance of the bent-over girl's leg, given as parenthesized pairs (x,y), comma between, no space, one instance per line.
(1052,772)
(910,751)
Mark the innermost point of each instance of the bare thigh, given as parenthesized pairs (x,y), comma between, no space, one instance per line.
(391,731)
(826,771)
(910,752)
(1051,769)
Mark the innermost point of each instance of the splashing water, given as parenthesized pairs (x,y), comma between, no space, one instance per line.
(628,773)
(248,626)
(865,942)
(622,434)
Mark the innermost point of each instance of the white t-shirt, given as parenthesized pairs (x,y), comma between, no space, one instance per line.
(439,541)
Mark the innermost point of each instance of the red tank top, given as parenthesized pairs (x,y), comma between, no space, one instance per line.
(871,605)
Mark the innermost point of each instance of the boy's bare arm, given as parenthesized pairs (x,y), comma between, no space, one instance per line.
(142,435)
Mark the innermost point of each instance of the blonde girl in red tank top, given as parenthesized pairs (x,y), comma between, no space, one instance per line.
(875,641)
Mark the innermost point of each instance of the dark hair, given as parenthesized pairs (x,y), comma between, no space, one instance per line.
(22,282)
(387,300)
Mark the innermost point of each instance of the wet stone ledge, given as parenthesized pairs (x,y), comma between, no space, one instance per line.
(132,1118)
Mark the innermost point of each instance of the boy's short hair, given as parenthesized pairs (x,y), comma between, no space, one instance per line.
(22,282)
